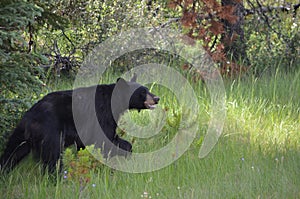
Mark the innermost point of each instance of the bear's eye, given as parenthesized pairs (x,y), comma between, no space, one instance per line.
(143,92)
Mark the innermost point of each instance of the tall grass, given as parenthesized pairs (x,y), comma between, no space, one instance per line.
(257,156)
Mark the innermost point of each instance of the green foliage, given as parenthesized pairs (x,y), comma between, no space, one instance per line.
(273,37)
(88,24)
(20,78)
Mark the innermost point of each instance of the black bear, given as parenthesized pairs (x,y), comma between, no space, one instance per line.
(63,118)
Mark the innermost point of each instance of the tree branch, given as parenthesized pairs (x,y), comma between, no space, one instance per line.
(267,9)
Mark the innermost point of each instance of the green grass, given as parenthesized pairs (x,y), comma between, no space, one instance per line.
(257,156)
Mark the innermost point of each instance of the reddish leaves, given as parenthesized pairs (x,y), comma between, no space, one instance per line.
(216,27)
(227,13)
(203,20)
(189,19)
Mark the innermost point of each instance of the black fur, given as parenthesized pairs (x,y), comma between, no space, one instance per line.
(48,126)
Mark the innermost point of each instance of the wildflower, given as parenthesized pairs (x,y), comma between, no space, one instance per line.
(243,159)
(93,185)
(145,195)
(65,174)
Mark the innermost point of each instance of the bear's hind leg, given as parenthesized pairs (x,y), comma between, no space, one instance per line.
(50,153)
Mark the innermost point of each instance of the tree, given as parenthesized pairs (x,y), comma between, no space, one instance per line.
(233,37)
(219,26)
(227,29)
(273,34)
(19,78)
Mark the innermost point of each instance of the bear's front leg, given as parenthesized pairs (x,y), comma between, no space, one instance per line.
(124,148)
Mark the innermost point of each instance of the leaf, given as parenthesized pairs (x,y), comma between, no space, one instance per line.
(216,27)
(220,47)
(172,4)
(218,56)
(185,67)
(187,3)
(213,5)
(189,19)
(228,13)
(202,32)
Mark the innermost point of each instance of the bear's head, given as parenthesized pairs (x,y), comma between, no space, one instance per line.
(138,96)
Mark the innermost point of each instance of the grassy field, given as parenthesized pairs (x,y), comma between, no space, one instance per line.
(257,156)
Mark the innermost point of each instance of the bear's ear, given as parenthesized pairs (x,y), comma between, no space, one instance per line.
(133,79)
(121,79)
(122,82)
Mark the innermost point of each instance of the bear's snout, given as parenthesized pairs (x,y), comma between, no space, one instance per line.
(151,101)
(156,99)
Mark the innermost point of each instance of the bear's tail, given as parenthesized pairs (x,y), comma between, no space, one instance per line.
(17,148)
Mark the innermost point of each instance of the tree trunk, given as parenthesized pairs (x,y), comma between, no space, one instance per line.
(233,38)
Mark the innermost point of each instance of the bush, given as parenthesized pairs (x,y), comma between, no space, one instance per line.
(79,167)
